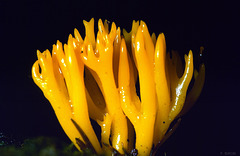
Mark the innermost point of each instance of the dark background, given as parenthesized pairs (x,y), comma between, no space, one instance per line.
(210,128)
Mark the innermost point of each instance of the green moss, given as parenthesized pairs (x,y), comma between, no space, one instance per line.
(41,146)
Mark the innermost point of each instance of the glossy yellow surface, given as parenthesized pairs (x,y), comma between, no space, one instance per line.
(95,78)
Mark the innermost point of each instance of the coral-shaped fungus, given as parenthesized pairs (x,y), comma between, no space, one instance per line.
(96,78)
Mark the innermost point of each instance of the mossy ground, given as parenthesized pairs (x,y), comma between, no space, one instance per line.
(40,146)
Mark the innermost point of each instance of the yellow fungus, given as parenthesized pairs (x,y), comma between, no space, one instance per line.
(95,78)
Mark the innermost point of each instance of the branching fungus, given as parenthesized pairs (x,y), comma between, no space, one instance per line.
(96,78)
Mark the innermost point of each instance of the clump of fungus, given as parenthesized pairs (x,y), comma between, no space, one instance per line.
(96,78)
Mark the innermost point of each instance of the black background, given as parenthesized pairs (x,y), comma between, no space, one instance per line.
(210,128)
